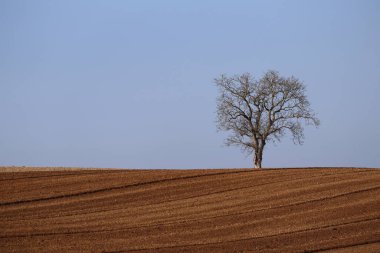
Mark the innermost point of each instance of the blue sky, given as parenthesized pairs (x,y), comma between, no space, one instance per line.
(129,84)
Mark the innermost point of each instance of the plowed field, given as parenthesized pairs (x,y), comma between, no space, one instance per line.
(234,210)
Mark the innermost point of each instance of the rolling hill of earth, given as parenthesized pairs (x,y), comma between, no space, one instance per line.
(226,210)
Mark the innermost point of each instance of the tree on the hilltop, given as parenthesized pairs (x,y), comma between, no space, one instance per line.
(258,111)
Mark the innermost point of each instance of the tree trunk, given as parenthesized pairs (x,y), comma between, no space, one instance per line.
(258,158)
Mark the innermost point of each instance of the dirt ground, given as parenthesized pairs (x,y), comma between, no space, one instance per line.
(234,210)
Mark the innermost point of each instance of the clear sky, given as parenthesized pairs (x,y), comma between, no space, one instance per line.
(129,84)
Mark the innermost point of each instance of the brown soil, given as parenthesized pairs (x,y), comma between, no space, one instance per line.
(235,210)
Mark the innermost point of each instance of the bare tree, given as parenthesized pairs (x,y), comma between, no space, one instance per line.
(258,111)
